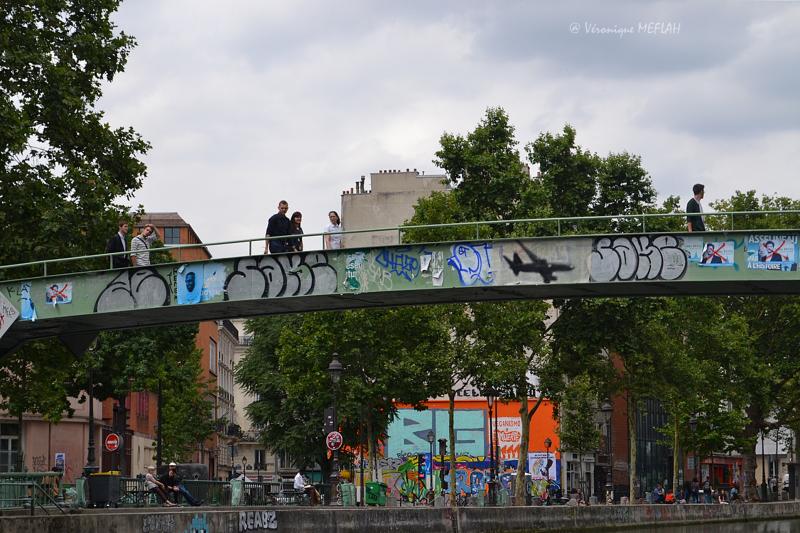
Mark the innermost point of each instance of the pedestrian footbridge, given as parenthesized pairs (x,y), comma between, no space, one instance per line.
(728,262)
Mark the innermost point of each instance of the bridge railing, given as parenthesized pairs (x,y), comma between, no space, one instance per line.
(524,228)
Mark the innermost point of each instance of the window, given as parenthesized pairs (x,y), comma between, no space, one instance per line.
(212,355)
(9,447)
(261,458)
(172,235)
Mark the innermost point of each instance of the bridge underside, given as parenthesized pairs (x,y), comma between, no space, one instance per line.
(733,263)
(336,302)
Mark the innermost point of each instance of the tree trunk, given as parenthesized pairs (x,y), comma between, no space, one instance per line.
(631,448)
(370,450)
(452,433)
(749,483)
(677,457)
(522,458)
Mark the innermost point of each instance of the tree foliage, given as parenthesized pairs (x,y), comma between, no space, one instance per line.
(61,165)
(389,356)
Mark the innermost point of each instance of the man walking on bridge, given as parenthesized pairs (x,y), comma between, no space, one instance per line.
(117,244)
(140,245)
(278,225)
(695,222)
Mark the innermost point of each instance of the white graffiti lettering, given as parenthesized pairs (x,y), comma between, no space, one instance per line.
(637,258)
(257,520)
(155,523)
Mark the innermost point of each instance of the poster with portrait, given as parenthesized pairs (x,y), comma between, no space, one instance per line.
(543,465)
(772,252)
(717,254)
(58,293)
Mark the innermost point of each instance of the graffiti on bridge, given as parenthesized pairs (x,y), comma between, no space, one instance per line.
(134,289)
(283,275)
(399,261)
(472,262)
(637,258)
(536,264)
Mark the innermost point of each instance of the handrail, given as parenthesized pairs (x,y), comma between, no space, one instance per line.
(400,230)
(33,502)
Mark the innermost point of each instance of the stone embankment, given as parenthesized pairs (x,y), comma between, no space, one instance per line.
(382,520)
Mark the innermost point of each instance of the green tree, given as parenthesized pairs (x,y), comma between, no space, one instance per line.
(577,430)
(389,356)
(122,362)
(62,166)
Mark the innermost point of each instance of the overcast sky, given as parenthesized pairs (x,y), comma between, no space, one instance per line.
(249,102)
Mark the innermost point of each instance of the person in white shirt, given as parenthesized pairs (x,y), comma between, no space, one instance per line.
(333,237)
(140,245)
(300,485)
(155,486)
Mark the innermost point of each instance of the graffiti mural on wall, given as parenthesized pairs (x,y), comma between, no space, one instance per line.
(405,478)
(472,262)
(134,289)
(199,524)
(283,275)
(637,258)
(408,431)
(536,264)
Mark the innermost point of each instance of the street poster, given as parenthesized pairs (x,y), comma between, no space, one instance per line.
(772,252)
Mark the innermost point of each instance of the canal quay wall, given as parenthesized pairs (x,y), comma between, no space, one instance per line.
(382,520)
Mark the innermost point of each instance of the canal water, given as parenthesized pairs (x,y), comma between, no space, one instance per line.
(772,526)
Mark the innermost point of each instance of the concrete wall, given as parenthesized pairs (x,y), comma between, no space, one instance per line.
(383,520)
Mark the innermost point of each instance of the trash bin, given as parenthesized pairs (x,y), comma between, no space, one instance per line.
(104,489)
(375,493)
(348,492)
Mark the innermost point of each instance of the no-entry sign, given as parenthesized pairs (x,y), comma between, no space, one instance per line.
(113,442)
(334,440)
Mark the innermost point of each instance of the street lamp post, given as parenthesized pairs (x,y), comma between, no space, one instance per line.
(547,444)
(335,370)
(607,409)
(763,470)
(490,403)
(442,454)
(244,467)
(431,439)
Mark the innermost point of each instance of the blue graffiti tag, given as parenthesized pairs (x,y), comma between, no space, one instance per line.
(399,261)
(473,263)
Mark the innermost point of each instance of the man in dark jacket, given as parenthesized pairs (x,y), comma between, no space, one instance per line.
(278,226)
(118,243)
(172,483)
(695,222)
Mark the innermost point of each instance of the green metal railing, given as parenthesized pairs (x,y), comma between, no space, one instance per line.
(19,492)
(560,226)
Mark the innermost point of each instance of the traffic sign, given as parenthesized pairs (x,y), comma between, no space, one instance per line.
(113,442)
(334,440)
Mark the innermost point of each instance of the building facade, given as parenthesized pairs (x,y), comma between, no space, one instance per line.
(389,202)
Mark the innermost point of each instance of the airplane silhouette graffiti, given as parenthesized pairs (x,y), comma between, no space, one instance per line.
(541,266)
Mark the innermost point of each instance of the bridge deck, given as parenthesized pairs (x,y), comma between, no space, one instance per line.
(724,263)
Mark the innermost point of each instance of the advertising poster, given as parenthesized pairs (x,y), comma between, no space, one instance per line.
(772,252)
(509,436)
(717,254)
(693,246)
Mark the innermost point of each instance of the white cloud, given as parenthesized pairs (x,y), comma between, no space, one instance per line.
(266,100)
